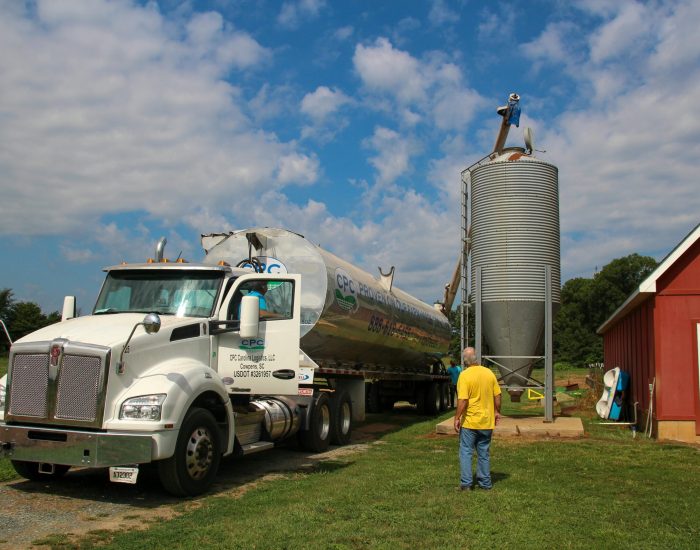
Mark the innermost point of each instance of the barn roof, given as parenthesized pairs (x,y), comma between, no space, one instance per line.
(647,287)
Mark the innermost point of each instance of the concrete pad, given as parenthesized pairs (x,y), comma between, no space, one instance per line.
(531,426)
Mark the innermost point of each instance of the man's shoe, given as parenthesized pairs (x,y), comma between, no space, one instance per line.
(463,488)
(485,488)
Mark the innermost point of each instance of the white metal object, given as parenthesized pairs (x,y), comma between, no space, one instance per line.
(250,316)
(68,308)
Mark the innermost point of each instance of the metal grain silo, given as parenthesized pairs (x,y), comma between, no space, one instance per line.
(514,235)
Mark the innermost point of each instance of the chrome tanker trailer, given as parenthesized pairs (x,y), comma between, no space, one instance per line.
(352,324)
(182,363)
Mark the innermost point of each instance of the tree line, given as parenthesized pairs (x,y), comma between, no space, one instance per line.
(585,304)
(21,318)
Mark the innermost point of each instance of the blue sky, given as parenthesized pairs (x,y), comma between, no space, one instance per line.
(348,122)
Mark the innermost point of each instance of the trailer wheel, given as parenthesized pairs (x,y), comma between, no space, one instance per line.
(444,397)
(191,470)
(30,470)
(341,418)
(432,399)
(317,438)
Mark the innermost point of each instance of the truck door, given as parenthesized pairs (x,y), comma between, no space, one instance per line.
(269,363)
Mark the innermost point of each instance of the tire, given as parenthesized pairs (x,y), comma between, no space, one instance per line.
(30,470)
(192,469)
(317,438)
(341,418)
(444,397)
(374,398)
(432,399)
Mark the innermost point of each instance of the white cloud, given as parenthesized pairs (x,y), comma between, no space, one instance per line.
(385,69)
(455,107)
(678,48)
(431,89)
(440,14)
(323,102)
(297,168)
(293,13)
(553,45)
(393,154)
(106,109)
(343,33)
(623,35)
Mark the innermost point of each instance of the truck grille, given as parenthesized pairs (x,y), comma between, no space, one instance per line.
(71,393)
(78,388)
(28,395)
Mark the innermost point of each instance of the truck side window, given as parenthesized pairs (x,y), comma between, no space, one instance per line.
(276,299)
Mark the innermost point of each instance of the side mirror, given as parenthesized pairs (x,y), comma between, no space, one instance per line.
(68,308)
(250,316)
(151,323)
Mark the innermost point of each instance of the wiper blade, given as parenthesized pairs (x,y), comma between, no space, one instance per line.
(105,311)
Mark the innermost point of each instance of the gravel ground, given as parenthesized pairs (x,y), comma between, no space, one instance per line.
(85,500)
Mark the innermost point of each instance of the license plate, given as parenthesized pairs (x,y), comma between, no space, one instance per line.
(119,474)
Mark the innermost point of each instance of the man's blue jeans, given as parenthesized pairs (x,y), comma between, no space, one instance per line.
(468,440)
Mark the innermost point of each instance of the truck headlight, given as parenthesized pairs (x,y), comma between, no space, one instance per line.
(3,391)
(144,407)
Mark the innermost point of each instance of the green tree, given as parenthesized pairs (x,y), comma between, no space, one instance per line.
(6,302)
(23,318)
(587,303)
(455,318)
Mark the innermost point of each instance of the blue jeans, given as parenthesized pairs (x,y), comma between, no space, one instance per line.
(481,439)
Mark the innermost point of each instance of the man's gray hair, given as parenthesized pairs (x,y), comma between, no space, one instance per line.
(469,356)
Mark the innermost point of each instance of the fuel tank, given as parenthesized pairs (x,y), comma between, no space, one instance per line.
(348,317)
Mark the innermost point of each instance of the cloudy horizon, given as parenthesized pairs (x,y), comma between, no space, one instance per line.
(123,121)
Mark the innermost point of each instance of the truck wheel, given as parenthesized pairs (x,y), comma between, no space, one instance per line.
(341,418)
(191,470)
(30,470)
(317,438)
(432,399)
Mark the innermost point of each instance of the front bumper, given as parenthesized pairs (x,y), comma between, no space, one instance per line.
(73,447)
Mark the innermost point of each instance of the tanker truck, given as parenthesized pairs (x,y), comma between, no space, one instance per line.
(269,338)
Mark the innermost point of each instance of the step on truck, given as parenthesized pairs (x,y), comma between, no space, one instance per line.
(270,337)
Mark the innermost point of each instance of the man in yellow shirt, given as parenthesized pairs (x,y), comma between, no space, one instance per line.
(478,412)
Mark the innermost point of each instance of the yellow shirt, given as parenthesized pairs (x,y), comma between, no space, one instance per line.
(479,385)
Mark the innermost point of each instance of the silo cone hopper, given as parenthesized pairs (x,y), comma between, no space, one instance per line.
(512,330)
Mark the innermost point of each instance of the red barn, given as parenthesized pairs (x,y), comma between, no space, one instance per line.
(655,337)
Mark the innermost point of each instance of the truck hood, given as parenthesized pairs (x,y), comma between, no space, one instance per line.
(104,330)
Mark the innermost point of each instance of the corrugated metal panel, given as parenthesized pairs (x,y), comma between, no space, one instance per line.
(515,229)
(515,234)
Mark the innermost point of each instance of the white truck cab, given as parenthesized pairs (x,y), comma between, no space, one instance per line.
(178,364)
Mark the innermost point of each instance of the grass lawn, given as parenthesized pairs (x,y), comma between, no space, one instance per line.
(605,490)
(602,491)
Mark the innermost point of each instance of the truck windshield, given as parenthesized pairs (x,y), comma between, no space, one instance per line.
(167,292)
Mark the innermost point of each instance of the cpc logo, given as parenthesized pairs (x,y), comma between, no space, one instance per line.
(346,291)
(252,343)
(269,265)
